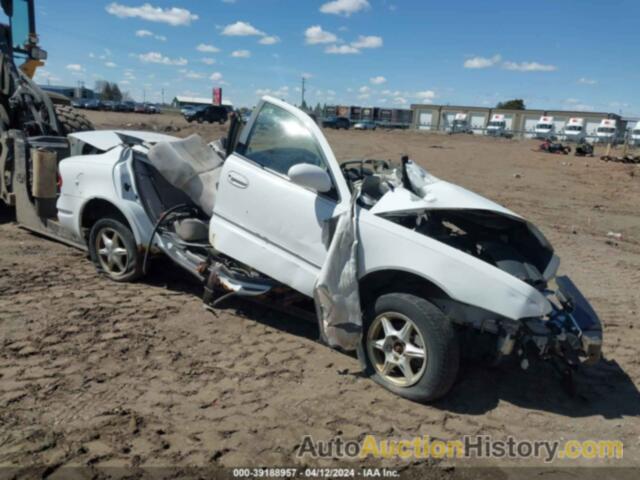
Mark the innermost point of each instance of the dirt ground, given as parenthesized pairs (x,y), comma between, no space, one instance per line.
(99,374)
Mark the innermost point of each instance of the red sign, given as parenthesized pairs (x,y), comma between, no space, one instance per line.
(217,96)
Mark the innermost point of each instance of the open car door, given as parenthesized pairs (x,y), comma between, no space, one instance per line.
(264,219)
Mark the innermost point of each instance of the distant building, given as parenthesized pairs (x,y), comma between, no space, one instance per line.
(519,122)
(69,92)
(182,101)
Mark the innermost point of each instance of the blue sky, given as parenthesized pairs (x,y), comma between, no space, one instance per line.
(572,54)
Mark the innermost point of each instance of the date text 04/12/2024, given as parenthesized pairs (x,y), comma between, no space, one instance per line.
(315,473)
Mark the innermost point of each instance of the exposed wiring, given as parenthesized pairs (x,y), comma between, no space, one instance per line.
(160,221)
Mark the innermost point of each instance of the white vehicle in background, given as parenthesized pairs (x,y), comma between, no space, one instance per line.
(460,124)
(254,215)
(609,131)
(635,135)
(574,130)
(497,126)
(545,128)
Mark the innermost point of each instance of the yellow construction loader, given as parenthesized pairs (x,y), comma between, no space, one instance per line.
(33,124)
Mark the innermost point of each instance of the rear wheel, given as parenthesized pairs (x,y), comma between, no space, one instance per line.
(113,250)
(72,121)
(410,347)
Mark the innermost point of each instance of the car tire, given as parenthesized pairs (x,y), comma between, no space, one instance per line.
(413,325)
(113,250)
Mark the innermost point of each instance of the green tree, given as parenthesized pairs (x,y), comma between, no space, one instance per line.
(116,94)
(515,104)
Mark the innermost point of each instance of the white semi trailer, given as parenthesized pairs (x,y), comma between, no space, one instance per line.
(635,135)
(545,127)
(497,126)
(610,131)
(460,124)
(574,131)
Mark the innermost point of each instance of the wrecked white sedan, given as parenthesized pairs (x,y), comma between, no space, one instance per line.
(399,263)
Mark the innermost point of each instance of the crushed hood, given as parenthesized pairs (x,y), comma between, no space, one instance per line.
(439,195)
(107,139)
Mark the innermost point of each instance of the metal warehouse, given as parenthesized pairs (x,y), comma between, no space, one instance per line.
(521,122)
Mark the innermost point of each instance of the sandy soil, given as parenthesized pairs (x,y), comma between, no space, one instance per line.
(99,374)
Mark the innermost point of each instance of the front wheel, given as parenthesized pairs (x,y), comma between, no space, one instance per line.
(113,250)
(410,347)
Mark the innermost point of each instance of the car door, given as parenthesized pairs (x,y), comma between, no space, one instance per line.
(262,218)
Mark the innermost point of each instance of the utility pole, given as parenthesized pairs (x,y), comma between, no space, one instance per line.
(303,85)
(162,95)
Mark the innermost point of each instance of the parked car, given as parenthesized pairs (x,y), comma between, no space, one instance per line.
(207,113)
(140,108)
(93,104)
(127,106)
(151,109)
(435,262)
(109,105)
(78,102)
(336,122)
(365,125)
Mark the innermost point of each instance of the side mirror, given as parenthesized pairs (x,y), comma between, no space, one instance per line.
(310,176)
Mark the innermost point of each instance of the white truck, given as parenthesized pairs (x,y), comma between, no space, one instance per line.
(261,213)
(545,128)
(460,124)
(635,135)
(497,126)
(610,131)
(574,130)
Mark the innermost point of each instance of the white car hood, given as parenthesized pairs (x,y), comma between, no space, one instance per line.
(440,195)
(107,139)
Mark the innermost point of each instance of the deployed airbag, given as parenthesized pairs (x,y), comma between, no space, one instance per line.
(191,166)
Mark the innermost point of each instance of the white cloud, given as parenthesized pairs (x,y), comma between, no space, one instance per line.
(369,41)
(315,35)
(125,82)
(206,48)
(400,101)
(269,40)
(281,92)
(307,75)
(75,67)
(215,77)
(587,81)
(156,57)
(364,89)
(208,61)
(331,93)
(341,50)
(379,80)
(110,65)
(344,7)
(426,95)
(529,67)
(241,29)
(363,96)
(144,33)
(241,54)
(482,62)
(173,16)
(192,75)
(228,1)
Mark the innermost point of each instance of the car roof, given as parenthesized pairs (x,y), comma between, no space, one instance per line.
(107,139)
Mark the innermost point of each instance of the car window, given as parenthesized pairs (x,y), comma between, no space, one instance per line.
(279,140)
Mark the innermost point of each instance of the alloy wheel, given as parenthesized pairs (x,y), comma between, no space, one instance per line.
(396,349)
